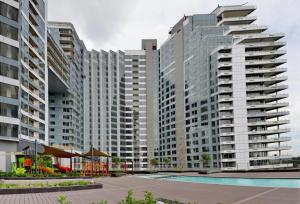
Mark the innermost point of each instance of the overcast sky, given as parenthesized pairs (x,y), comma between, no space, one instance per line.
(120,24)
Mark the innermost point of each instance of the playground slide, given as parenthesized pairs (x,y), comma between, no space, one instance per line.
(47,170)
(62,169)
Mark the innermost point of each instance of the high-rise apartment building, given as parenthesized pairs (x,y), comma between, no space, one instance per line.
(121,103)
(135,107)
(215,86)
(24,75)
(58,66)
(101,102)
(221,83)
(141,99)
(66,106)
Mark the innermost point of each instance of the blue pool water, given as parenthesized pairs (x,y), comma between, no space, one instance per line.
(279,183)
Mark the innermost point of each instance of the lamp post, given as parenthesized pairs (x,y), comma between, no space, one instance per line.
(35,156)
(132,167)
(92,160)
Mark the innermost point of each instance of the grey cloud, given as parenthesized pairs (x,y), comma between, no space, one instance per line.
(96,21)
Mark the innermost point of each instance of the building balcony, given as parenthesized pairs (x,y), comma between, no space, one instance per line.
(237,20)
(269,132)
(67,46)
(227,142)
(224,90)
(225,99)
(275,148)
(266,62)
(224,55)
(267,80)
(268,115)
(224,108)
(225,116)
(224,134)
(66,39)
(224,64)
(269,45)
(270,157)
(228,11)
(34,83)
(272,166)
(224,82)
(270,140)
(33,19)
(227,150)
(269,71)
(268,106)
(224,73)
(267,53)
(269,123)
(228,160)
(245,29)
(226,125)
(261,37)
(267,97)
(267,89)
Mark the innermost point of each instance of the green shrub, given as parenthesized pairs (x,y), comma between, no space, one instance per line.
(103,202)
(63,200)
(40,185)
(148,199)
(73,174)
(20,172)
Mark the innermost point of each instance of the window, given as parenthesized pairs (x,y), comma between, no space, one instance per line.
(8,11)
(8,31)
(8,51)
(8,130)
(8,110)
(8,70)
(9,91)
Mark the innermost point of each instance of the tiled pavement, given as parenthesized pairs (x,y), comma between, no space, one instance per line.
(115,189)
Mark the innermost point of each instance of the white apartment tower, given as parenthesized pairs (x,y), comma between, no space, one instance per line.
(222,92)
(120,103)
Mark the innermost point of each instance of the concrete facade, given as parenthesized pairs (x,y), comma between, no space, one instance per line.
(227,79)
(66,102)
(121,103)
(23,75)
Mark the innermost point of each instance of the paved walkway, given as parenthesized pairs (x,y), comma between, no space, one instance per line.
(115,189)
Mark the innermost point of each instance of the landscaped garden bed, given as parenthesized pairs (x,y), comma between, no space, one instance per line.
(8,188)
(40,176)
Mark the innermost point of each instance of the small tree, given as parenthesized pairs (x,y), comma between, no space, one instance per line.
(116,161)
(154,162)
(167,161)
(205,159)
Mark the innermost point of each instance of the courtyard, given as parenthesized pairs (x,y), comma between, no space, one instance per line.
(115,189)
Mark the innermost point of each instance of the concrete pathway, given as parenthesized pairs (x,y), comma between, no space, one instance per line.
(115,189)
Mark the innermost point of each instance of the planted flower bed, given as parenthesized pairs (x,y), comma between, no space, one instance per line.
(6,188)
(38,176)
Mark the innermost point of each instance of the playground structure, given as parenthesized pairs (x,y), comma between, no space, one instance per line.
(49,161)
(95,169)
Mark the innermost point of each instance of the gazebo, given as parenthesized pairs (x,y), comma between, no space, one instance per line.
(95,153)
(89,169)
(59,153)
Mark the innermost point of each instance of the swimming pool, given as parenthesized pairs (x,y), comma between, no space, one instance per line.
(272,182)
